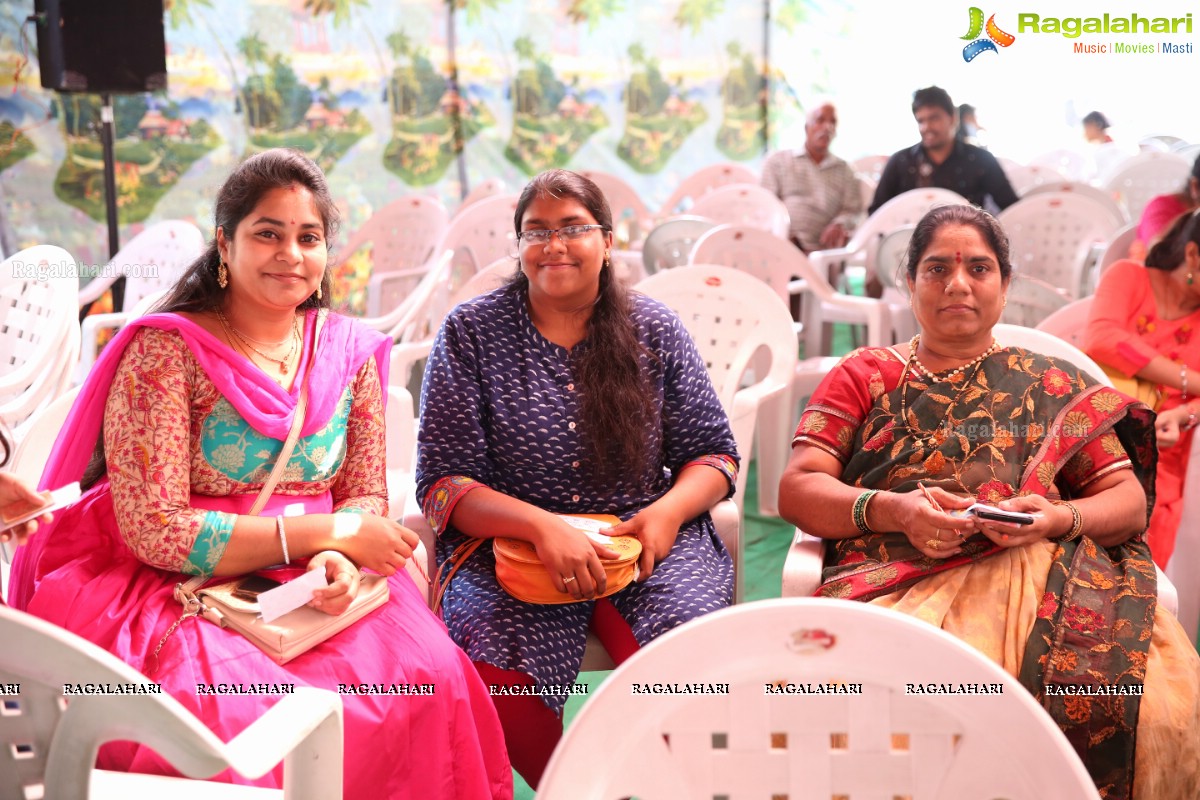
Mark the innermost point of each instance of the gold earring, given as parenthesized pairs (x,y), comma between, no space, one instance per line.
(1190,279)
(222,275)
(319,290)
(608,260)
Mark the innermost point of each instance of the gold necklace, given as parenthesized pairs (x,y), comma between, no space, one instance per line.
(282,362)
(926,438)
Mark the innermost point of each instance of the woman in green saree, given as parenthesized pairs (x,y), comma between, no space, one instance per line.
(897,439)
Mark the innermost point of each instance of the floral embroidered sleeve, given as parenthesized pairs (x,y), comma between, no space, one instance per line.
(1103,455)
(361,482)
(147,421)
(840,404)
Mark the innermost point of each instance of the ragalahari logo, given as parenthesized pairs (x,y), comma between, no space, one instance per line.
(995,36)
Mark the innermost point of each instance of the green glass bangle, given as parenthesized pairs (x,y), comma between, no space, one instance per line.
(859,511)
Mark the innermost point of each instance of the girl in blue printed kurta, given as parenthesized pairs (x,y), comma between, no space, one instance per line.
(564,393)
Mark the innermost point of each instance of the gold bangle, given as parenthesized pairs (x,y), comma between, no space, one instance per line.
(1076,521)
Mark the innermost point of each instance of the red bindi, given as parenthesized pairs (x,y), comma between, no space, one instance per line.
(958,257)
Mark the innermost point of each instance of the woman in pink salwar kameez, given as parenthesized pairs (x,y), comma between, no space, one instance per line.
(173,436)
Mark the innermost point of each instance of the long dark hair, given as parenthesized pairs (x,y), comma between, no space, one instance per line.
(972,216)
(1169,251)
(615,396)
(197,289)
(278,168)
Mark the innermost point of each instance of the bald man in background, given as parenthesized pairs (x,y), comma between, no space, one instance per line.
(819,189)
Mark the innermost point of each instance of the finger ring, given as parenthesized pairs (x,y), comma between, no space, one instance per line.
(933,544)
(568,580)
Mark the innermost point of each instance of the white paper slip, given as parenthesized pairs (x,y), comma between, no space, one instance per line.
(275,603)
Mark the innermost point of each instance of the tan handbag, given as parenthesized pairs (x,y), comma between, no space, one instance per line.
(522,574)
(300,629)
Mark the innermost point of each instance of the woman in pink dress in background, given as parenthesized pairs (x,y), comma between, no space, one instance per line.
(181,420)
(1144,322)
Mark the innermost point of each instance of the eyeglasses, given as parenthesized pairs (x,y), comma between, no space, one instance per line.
(567,234)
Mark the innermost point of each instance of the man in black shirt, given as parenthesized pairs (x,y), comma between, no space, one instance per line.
(941,160)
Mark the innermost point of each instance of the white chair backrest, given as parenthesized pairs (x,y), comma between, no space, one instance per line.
(1136,180)
(869,167)
(1118,247)
(1026,177)
(730,315)
(427,304)
(1046,343)
(1031,300)
(493,276)
(50,744)
(736,740)
(902,210)
(39,330)
(481,190)
(669,244)
(1105,199)
(1163,143)
(152,261)
(703,181)
(402,234)
(33,451)
(1069,323)
(1070,163)
(1052,236)
(632,219)
(1190,152)
(890,259)
(761,254)
(745,204)
(481,233)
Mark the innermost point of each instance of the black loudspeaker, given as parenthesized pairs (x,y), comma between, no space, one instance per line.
(101,46)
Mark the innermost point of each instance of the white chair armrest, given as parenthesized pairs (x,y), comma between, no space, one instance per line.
(386,290)
(97,286)
(802,567)
(89,331)
(1168,595)
(404,357)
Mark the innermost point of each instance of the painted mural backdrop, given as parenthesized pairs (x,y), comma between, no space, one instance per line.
(386,96)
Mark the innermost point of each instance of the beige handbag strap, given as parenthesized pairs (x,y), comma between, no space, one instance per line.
(189,587)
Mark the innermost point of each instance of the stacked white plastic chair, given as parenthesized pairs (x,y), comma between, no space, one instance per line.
(632,220)
(1104,198)
(775,262)
(671,242)
(1024,177)
(745,204)
(1134,181)
(151,263)
(876,739)
(703,181)
(50,743)
(39,331)
(1053,237)
(402,236)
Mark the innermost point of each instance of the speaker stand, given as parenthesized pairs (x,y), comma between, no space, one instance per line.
(107,140)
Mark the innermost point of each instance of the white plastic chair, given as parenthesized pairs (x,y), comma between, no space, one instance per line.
(414,302)
(1105,199)
(671,241)
(1052,237)
(703,181)
(1117,248)
(402,236)
(883,741)
(39,331)
(1138,179)
(51,743)
(871,168)
(1184,567)
(481,233)
(1022,178)
(632,220)
(745,204)
(730,315)
(483,189)
(1190,152)
(1069,323)
(903,209)
(775,262)
(150,262)
(1070,163)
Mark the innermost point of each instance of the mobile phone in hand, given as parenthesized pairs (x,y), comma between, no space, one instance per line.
(993,514)
(18,513)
